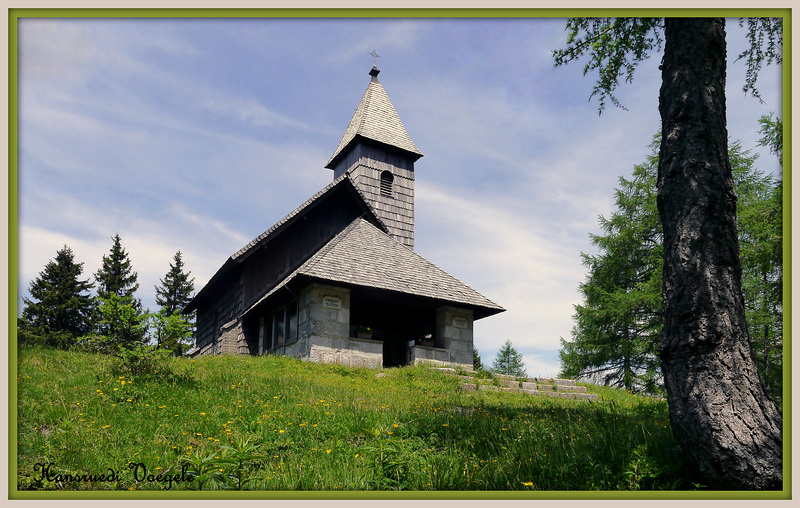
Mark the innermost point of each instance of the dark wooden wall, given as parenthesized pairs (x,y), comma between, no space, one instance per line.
(226,307)
(278,257)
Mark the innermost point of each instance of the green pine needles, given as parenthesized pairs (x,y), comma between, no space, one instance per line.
(509,362)
(62,313)
(618,326)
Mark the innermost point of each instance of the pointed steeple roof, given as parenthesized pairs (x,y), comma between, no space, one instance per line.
(375,119)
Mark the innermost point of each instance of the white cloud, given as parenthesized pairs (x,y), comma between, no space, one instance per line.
(508,257)
(151,242)
(250,112)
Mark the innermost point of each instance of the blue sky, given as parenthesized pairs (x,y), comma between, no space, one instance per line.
(199,134)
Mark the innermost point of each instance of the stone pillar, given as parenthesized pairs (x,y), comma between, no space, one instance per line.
(324,321)
(324,311)
(229,338)
(454,333)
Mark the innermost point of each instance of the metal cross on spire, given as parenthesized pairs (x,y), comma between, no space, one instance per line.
(374,55)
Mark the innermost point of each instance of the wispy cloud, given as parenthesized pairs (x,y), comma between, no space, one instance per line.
(249,112)
(197,135)
(515,262)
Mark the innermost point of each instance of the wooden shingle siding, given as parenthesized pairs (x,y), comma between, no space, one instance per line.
(396,211)
(279,256)
(375,157)
(224,309)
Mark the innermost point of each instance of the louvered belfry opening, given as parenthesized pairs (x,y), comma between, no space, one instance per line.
(387,179)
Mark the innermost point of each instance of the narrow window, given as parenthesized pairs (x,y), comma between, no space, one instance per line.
(279,328)
(387,179)
(214,342)
(261,333)
(291,322)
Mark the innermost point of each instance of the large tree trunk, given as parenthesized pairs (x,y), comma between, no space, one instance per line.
(719,411)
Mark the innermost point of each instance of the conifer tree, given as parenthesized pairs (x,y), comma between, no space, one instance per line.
(509,361)
(176,287)
(116,285)
(116,274)
(761,241)
(62,310)
(477,364)
(618,327)
(173,330)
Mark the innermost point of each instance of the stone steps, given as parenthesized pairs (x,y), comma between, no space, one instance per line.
(549,387)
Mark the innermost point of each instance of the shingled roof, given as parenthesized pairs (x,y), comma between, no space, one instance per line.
(362,255)
(376,119)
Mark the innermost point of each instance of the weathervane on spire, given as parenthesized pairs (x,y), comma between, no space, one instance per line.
(374,55)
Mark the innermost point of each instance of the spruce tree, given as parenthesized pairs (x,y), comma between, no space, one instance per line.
(176,287)
(477,364)
(509,362)
(116,285)
(173,330)
(62,308)
(116,274)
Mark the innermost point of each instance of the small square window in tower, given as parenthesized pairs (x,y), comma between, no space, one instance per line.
(387,179)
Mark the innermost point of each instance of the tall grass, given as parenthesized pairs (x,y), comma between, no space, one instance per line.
(274,423)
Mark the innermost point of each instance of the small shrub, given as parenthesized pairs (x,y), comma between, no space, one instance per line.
(142,360)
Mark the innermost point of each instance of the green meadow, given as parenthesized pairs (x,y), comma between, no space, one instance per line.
(281,424)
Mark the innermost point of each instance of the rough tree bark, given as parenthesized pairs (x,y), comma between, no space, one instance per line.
(719,410)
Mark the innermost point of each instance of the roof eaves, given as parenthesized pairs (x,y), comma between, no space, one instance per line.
(192,305)
(364,260)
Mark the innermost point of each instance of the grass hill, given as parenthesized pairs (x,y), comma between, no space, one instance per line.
(273,423)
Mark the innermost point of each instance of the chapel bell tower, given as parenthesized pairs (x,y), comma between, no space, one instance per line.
(379,157)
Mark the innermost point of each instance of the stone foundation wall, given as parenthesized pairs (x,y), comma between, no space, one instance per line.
(324,311)
(438,357)
(203,351)
(347,351)
(323,335)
